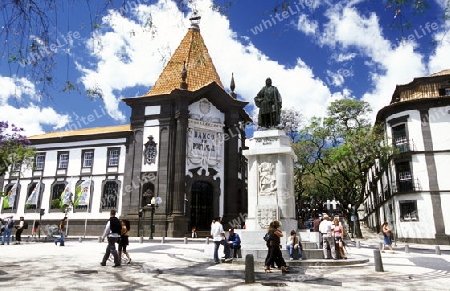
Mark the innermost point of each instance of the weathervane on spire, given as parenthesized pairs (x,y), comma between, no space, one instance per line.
(195,19)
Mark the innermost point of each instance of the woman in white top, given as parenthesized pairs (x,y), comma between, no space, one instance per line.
(294,244)
(338,232)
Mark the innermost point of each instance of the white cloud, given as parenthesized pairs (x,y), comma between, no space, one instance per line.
(440,59)
(401,66)
(389,64)
(32,118)
(25,113)
(308,27)
(15,88)
(250,66)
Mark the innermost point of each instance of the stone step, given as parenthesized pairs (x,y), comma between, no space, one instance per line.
(306,254)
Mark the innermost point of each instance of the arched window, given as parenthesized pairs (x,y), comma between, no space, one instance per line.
(110,195)
(57,189)
(83,194)
(12,192)
(34,194)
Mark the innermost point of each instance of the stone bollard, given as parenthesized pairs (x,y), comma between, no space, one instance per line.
(141,239)
(438,251)
(207,240)
(407,249)
(249,269)
(80,239)
(163,240)
(358,244)
(99,239)
(377,260)
(185,240)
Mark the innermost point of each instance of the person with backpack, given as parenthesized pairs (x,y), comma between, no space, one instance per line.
(62,230)
(19,230)
(112,230)
(8,229)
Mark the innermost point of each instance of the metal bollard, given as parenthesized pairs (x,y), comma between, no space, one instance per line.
(99,239)
(207,240)
(377,260)
(358,244)
(80,239)
(163,240)
(249,269)
(407,249)
(438,250)
(141,239)
(380,246)
(185,240)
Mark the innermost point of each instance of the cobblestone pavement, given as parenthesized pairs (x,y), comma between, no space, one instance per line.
(175,265)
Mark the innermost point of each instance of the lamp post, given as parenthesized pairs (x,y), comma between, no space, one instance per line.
(154,203)
(41,213)
(152,208)
(140,213)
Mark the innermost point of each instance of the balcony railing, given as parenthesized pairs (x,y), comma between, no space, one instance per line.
(406,186)
(405,146)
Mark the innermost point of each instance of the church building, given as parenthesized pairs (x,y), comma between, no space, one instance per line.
(178,164)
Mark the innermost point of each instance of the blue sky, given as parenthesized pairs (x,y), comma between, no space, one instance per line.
(316,52)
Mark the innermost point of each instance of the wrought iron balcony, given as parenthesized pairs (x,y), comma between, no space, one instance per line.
(405,146)
(406,186)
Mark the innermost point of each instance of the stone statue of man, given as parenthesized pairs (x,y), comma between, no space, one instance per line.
(269,102)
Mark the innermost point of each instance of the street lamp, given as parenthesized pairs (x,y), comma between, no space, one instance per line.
(154,203)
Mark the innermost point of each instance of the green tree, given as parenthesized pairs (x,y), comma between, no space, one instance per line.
(14,148)
(342,150)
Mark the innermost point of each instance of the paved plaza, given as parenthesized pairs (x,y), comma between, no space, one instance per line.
(176,265)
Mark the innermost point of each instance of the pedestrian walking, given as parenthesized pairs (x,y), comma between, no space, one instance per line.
(62,230)
(7,230)
(35,228)
(337,232)
(387,237)
(19,230)
(325,230)
(275,254)
(124,241)
(112,232)
(218,235)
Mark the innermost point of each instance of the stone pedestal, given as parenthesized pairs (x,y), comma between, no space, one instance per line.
(270,187)
(270,180)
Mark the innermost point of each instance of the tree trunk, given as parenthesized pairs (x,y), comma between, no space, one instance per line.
(357,226)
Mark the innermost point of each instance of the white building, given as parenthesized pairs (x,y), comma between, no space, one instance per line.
(183,146)
(412,192)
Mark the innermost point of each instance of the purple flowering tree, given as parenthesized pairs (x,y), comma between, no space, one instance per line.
(14,149)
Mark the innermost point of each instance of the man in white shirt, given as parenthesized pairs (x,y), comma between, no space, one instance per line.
(218,235)
(112,231)
(325,230)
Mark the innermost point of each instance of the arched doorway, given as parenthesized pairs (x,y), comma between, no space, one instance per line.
(201,205)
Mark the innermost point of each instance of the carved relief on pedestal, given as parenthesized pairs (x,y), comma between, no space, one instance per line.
(265,214)
(267,179)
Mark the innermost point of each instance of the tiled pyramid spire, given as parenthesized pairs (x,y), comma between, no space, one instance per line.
(190,67)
